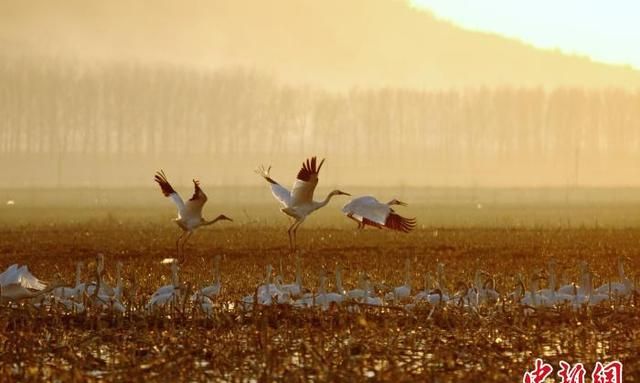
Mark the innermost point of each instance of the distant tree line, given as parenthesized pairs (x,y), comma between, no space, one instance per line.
(52,108)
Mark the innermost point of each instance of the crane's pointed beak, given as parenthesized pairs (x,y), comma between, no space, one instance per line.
(402,203)
(344,193)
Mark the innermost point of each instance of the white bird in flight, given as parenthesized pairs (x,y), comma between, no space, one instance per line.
(369,211)
(189,213)
(298,203)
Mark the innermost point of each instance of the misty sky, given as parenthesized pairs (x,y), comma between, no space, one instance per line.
(607,31)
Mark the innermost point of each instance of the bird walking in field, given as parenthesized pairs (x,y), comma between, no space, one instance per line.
(368,211)
(298,203)
(189,213)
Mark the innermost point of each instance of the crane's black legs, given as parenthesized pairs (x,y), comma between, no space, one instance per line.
(180,247)
(178,244)
(189,233)
(295,234)
(292,235)
(291,242)
(360,224)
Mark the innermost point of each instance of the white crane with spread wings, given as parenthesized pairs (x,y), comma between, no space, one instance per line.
(369,211)
(189,213)
(298,203)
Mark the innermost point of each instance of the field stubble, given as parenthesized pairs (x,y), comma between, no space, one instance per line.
(496,342)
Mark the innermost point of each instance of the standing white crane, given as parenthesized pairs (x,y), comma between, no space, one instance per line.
(369,211)
(298,203)
(17,283)
(624,287)
(167,294)
(20,275)
(189,213)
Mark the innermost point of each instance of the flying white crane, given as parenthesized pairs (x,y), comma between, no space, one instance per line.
(298,203)
(369,211)
(189,213)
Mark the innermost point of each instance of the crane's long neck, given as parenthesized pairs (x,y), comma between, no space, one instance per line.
(441,277)
(621,270)
(217,270)
(267,280)
(361,282)
(298,273)
(477,280)
(407,272)
(427,282)
(78,273)
(323,285)
(119,276)
(339,282)
(520,289)
(174,275)
(318,205)
(98,280)
(552,277)
(367,289)
(207,223)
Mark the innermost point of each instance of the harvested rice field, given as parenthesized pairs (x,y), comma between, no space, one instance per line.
(461,335)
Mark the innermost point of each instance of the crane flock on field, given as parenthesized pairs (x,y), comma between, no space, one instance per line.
(18,284)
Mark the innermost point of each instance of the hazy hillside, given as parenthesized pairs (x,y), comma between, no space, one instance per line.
(329,43)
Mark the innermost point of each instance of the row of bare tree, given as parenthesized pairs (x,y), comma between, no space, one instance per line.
(52,108)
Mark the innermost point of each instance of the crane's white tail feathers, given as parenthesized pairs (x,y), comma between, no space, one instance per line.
(399,223)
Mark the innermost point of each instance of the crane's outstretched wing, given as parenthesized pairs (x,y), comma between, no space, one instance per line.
(194,205)
(280,192)
(399,223)
(28,280)
(305,185)
(168,191)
